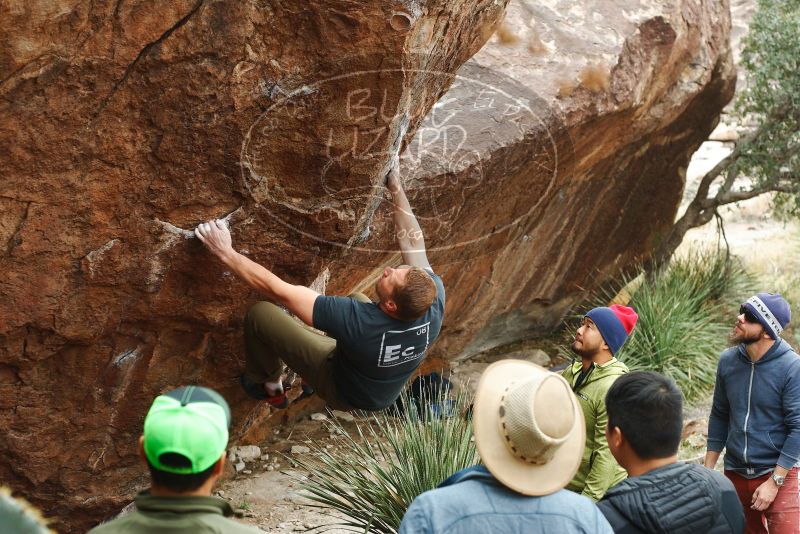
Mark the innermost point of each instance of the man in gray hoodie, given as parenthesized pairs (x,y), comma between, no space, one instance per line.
(756,416)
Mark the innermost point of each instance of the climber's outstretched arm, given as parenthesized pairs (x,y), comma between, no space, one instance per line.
(297,299)
(407,229)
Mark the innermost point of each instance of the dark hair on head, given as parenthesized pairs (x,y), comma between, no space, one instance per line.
(174,481)
(648,408)
(416,296)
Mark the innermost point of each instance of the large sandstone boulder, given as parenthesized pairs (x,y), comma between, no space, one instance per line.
(123,125)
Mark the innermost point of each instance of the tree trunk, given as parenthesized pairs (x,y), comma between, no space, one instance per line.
(696,215)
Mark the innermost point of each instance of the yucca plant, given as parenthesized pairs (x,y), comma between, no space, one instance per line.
(371,476)
(685,315)
(677,334)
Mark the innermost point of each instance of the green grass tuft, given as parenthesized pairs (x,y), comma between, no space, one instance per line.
(386,464)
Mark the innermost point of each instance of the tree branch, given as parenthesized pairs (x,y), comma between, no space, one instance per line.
(701,198)
(730,179)
(708,178)
(737,196)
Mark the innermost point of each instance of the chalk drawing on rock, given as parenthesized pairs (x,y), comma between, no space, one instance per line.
(363,128)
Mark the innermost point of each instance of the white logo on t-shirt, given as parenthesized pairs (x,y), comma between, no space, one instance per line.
(401,346)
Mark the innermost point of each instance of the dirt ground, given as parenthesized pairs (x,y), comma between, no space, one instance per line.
(268,493)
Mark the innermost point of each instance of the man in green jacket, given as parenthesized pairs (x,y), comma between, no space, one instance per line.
(602,334)
(184,441)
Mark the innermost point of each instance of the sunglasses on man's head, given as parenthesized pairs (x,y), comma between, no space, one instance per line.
(748,315)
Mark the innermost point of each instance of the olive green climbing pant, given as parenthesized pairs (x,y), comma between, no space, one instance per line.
(273,337)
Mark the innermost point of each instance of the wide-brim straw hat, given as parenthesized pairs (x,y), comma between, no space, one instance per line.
(528,426)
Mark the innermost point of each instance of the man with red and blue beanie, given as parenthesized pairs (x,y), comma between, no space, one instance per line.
(601,335)
(755,416)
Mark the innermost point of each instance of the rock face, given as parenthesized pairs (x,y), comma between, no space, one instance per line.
(122,126)
(554,157)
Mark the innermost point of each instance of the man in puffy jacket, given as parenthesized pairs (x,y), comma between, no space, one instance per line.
(645,421)
(756,416)
(599,338)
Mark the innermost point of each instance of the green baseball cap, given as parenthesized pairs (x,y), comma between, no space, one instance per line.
(191,421)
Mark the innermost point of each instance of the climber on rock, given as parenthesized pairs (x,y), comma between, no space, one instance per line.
(371,349)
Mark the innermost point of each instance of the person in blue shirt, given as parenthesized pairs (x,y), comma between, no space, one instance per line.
(371,348)
(755,416)
(530,434)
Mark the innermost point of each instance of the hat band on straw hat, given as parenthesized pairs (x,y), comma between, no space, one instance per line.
(523,437)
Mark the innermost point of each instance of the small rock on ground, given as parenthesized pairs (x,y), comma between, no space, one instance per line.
(344,416)
(247,453)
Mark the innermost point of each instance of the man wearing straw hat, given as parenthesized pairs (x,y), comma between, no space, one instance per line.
(530,435)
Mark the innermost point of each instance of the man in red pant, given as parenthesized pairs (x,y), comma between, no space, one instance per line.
(756,417)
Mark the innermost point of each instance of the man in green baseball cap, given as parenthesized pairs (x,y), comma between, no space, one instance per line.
(184,441)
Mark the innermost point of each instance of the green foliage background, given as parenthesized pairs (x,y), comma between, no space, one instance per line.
(771,98)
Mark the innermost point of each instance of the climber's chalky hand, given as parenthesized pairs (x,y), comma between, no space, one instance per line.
(393,182)
(215,236)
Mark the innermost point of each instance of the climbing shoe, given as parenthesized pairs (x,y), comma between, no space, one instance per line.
(256,390)
(307,390)
(279,401)
(253,389)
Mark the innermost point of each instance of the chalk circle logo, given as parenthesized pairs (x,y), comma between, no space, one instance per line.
(303,154)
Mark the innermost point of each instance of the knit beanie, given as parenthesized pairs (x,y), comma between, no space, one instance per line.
(771,310)
(615,324)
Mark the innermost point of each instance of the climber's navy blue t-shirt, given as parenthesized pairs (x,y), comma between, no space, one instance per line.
(375,353)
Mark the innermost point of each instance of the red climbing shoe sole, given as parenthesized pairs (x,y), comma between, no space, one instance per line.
(278,401)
